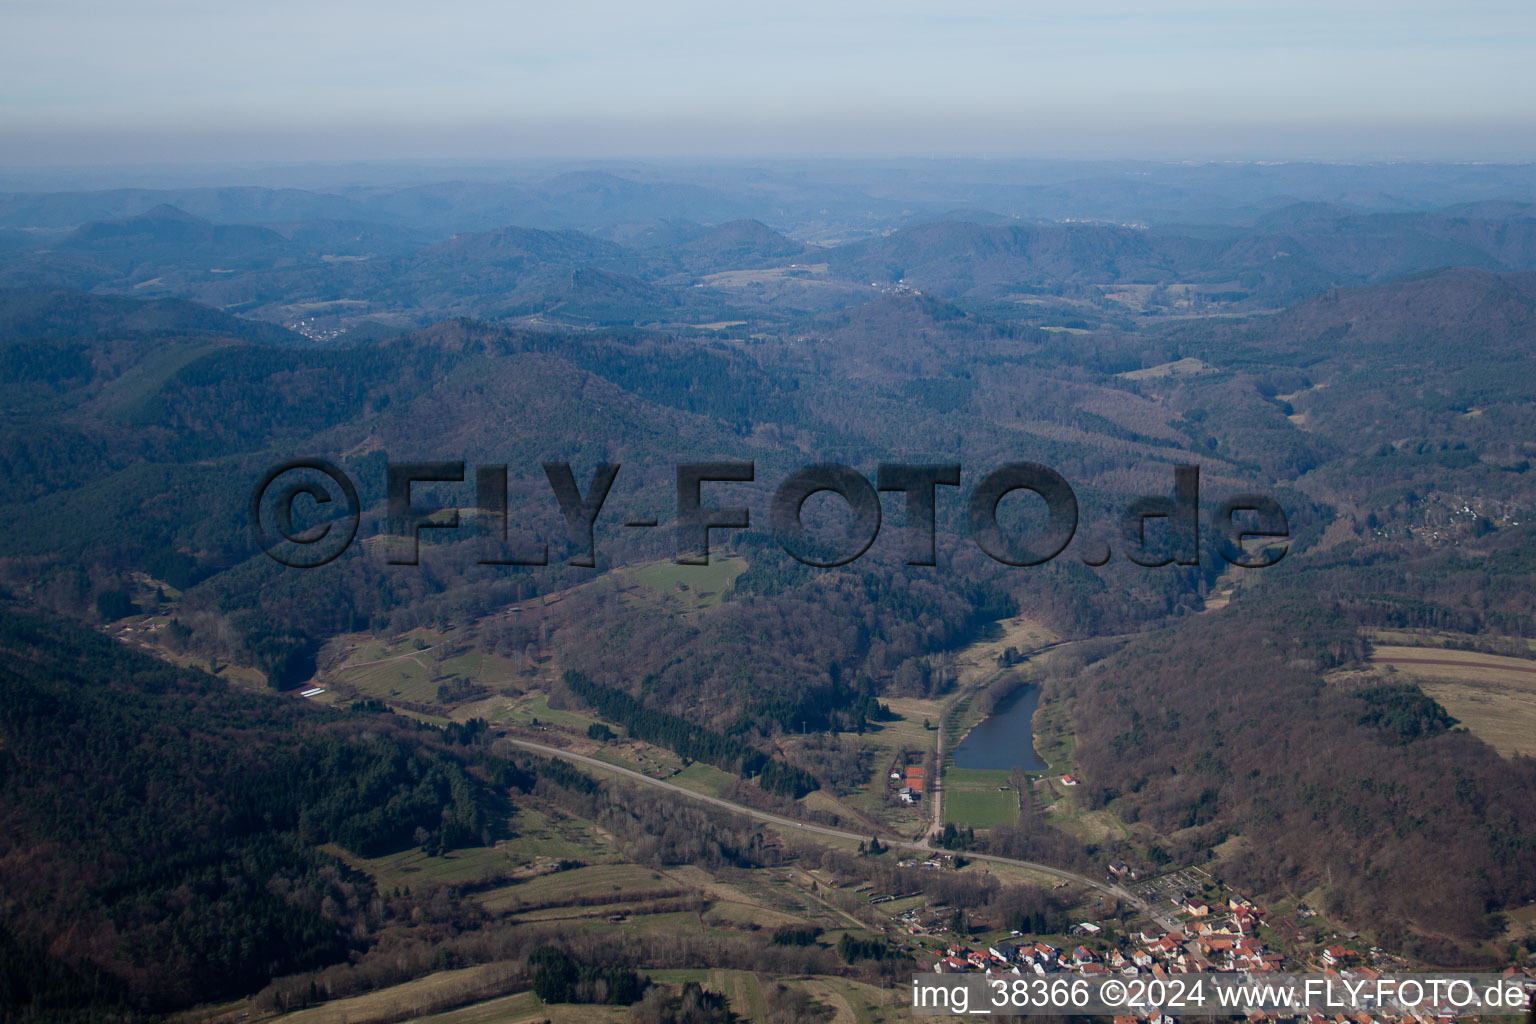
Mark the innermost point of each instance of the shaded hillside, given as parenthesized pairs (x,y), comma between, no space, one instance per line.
(30,314)
(736,244)
(954,258)
(1421,381)
(1227,728)
(1280,259)
(203,806)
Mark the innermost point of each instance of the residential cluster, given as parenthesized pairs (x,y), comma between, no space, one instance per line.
(1213,938)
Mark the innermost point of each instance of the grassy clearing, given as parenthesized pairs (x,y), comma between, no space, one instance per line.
(1468,666)
(422,996)
(1071,817)
(742,988)
(122,396)
(657,762)
(703,778)
(742,278)
(697,587)
(556,836)
(979,659)
(526,1007)
(411,668)
(1502,717)
(1054,741)
(407,678)
(981,808)
(620,881)
(409,868)
(479,667)
(870,1004)
(523,1006)
(975,778)
(1493,696)
(1187,367)
(1440,638)
(728,914)
(904,731)
(534,707)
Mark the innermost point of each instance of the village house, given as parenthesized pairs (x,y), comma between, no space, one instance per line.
(1006,951)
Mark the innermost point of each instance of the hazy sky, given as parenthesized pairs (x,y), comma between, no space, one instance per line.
(140,80)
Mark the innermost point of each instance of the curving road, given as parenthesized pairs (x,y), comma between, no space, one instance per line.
(835,833)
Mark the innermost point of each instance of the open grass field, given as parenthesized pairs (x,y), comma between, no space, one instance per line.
(423,996)
(975,778)
(541,834)
(848,1001)
(478,667)
(742,278)
(615,882)
(657,762)
(981,808)
(408,679)
(525,1006)
(1064,811)
(1444,639)
(1054,741)
(1187,367)
(409,868)
(410,668)
(1493,696)
(906,730)
(696,587)
(703,778)
(979,659)
(725,914)
(536,837)
(742,988)
(534,707)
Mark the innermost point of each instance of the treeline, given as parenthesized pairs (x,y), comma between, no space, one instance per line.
(558,978)
(688,740)
(202,807)
(648,827)
(1229,726)
(988,903)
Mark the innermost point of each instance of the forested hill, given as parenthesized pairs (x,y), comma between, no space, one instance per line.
(158,830)
(1256,722)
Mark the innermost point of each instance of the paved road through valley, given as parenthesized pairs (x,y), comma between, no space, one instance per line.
(836,833)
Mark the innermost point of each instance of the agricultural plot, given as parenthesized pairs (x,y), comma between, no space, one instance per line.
(1493,696)
(423,996)
(588,886)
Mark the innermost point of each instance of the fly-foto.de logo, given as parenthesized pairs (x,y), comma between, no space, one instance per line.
(1153,530)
